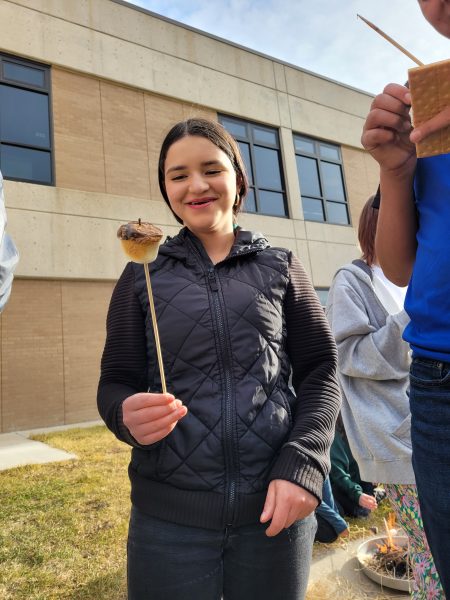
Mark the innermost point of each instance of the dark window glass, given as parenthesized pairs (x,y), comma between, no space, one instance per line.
(245,151)
(309,176)
(249,202)
(265,136)
(235,128)
(25,163)
(323,295)
(24,117)
(332,182)
(260,151)
(267,168)
(24,74)
(272,203)
(322,184)
(25,127)
(312,209)
(337,213)
(303,145)
(327,151)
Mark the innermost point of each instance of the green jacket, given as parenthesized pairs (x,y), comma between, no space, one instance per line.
(344,469)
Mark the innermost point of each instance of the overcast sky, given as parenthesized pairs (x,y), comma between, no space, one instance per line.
(323,36)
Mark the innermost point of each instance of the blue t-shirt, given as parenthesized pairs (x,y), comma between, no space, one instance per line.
(428,297)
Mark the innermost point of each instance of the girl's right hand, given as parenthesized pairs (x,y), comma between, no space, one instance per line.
(151,417)
(387,129)
(367,501)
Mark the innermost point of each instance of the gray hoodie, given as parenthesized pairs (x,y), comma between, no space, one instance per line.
(373,366)
(8,254)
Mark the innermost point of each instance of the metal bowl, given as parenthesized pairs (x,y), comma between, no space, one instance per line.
(368,548)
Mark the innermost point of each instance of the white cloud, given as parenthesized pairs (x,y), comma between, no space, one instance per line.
(323,36)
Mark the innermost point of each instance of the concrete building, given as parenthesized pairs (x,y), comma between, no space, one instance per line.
(88,88)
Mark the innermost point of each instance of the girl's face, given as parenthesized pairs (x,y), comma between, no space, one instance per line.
(201,185)
(437,13)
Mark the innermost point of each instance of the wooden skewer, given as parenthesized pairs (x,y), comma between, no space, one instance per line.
(155,328)
(393,42)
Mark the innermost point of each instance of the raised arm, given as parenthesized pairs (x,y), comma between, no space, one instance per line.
(386,136)
(135,416)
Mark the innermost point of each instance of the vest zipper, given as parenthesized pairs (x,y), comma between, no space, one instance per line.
(231,465)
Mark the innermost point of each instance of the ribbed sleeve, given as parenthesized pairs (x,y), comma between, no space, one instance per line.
(304,459)
(123,365)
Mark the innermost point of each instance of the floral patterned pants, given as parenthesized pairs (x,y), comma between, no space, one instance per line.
(405,502)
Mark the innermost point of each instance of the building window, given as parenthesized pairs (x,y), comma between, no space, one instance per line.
(323,295)
(260,148)
(319,166)
(25,129)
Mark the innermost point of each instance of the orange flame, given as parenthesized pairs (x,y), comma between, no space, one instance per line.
(389,545)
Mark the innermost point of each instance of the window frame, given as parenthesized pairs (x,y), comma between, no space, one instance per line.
(319,159)
(319,289)
(45,90)
(249,139)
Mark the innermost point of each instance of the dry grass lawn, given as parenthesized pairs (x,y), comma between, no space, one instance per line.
(63,525)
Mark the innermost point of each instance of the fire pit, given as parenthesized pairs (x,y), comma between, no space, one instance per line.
(385,561)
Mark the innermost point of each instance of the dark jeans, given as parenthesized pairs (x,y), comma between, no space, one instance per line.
(325,532)
(167,561)
(430,436)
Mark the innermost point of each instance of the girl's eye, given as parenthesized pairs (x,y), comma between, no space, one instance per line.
(178,177)
(213,172)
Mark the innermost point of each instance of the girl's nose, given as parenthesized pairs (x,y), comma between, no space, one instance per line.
(198,184)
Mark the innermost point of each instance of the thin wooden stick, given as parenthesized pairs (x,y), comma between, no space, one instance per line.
(155,328)
(393,42)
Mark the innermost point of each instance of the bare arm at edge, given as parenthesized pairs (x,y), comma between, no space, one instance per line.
(395,241)
(386,137)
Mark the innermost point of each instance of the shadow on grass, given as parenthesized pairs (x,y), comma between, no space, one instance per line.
(111,586)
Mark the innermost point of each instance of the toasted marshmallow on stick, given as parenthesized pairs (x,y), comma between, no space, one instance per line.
(140,241)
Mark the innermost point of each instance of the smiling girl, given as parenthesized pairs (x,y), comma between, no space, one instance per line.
(232,447)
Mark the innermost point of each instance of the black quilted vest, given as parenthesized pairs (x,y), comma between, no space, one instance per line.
(223,338)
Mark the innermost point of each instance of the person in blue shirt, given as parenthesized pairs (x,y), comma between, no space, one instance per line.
(330,524)
(9,255)
(413,248)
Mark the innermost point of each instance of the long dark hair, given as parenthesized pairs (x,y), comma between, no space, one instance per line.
(367,229)
(219,136)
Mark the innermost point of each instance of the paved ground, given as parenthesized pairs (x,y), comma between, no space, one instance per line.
(17,449)
(336,566)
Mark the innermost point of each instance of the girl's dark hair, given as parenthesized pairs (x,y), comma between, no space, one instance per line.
(219,136)
(366,231)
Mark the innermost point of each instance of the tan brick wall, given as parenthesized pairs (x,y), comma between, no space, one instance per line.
(84,308)
(125,141)
(52,338)
(107,136)
(78,133)
(32,359)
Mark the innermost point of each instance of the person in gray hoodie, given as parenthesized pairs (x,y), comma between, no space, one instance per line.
(366,314)
(9,255)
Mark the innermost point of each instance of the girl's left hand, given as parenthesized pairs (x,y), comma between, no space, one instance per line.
(286,503)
